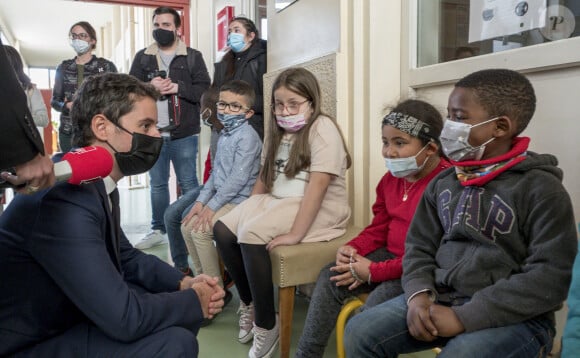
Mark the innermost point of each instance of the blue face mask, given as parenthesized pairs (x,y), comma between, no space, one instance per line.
(236,42)
(231,121)
(405,167)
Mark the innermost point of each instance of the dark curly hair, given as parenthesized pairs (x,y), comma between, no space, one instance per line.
(110,94)
(168,10)
(503,92)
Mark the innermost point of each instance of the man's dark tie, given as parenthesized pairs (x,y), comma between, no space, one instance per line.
(117,223)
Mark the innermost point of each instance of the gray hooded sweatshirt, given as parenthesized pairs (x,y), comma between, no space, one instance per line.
(498,254)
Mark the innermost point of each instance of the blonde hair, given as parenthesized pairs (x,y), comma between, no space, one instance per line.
(303,83)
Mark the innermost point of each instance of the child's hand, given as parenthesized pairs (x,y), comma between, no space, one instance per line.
(344,277)
(204,220)
(286,239)
(343,254)
(362,267)
(419,321)
(446,321)
(196,209)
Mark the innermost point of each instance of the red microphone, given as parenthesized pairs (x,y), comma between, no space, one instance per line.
(84,165)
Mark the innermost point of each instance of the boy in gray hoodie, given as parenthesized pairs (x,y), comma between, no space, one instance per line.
(489,253)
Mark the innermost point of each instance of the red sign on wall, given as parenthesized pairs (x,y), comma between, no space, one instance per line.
(224,16)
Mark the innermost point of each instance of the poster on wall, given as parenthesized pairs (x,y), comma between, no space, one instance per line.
(497,18)
(224,16)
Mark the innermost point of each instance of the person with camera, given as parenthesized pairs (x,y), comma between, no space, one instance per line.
(179,73)
(71,73)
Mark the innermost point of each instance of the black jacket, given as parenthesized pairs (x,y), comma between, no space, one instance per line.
(250,66)
(20,141)
(183,106)
(66,85)
(63,263)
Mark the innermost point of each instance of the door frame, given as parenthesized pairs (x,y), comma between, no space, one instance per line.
(179,5)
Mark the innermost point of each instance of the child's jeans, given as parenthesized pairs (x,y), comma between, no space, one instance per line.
(381,331)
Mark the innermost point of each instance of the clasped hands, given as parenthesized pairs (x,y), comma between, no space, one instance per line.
(347,257)
(209,292)
(164,85)
(428,320)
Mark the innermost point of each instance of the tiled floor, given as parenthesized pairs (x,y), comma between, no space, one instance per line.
(220,338)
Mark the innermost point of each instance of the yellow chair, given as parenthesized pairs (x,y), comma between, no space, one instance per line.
(344,315)
(297,265)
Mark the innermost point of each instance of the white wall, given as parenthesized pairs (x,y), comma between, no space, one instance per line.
(303,31)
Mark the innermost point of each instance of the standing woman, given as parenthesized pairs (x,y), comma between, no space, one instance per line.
(247,62)
(71,73)
(35,101)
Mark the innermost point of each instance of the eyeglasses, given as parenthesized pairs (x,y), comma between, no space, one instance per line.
(234,107)
(292,107)
(83,36)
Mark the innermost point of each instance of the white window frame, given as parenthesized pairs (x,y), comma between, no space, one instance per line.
(540,57)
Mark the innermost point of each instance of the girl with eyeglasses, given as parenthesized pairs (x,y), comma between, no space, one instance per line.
(300,196)
(71,73)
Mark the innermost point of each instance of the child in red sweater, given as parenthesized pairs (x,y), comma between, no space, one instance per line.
(371,262)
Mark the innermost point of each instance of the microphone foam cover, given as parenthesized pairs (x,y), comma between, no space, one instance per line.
(88,164)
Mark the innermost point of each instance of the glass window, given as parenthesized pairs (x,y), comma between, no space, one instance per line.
(262,18)
(40,77)
(454,29)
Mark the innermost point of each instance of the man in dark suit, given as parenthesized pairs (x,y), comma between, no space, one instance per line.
(71,284)
(21,146)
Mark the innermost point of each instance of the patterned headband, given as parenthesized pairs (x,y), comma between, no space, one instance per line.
(409,124)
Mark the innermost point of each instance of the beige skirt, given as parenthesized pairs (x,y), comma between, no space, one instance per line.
(261,218)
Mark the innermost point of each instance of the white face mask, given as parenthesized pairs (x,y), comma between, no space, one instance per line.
(405,167)
(455,141)
(80,46)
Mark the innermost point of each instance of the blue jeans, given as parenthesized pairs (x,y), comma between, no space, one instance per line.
(183,154)
(65,142)
(381,331)
(173,215)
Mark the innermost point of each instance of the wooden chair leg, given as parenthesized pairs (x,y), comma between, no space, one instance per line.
(286,309)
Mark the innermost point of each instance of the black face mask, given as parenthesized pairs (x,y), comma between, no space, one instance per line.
(163,37)
(141,157)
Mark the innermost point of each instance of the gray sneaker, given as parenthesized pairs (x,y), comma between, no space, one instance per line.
(154,238)
(265,341)
(246,322)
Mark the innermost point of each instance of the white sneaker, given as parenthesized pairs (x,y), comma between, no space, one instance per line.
(154,238)
(265,342)
(246,322)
